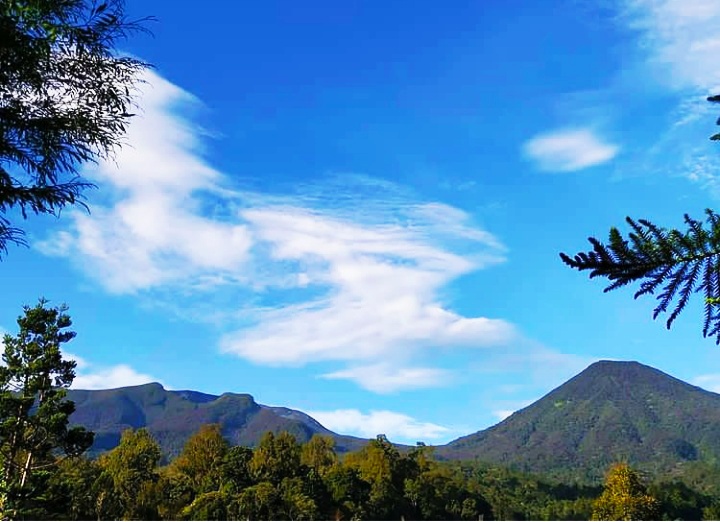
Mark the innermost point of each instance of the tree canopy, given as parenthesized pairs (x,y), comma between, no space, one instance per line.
(65,99)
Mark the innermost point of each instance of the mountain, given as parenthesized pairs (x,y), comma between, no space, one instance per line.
(611,411)
(173,416)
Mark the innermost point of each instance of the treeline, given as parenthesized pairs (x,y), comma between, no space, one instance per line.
(281,479)
(278,480)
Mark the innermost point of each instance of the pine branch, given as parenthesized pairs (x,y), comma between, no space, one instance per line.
(682,263)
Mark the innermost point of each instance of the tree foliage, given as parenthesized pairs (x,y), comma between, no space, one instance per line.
(677,263)
(129,483)
(34,413)
(625,497)
(65,99)
(202,459)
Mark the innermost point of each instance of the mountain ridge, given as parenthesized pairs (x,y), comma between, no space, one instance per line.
(172,416)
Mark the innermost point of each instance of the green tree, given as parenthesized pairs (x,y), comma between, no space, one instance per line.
(381,465)
(295,502)
(276,458)
(34,413)
(202,459)
(625,497)
(65,97)
(319,453)
(679,263)
(72,488)
(258,502)
(349,492)
(678,501)
(132,472)
(235,469)
(208,506)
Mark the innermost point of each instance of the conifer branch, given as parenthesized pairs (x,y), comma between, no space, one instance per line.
(682,263)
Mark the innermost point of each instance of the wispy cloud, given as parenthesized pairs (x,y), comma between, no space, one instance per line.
(679,48)
(398,427)
(568,150)
(386,378)
(680,38)
(323,277)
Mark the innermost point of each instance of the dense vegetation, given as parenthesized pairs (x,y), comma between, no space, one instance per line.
(281,479)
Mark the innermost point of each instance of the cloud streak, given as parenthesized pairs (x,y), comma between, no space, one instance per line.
(384,378)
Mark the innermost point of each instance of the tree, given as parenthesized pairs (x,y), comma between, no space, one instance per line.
(73,490)
(202,458)
(258,502)
(65,97)
(681,263)
(235,470)
(130,471)
(380,464)
(276,458)
(34,413)
(319,453)
(625,497)
(208,506)
(348,492)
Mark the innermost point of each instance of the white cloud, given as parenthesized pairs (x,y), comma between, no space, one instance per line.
(336,280)
(90,377)
(568,150)
(709,382)
(80,363)
(397,427)
(383,378)
(112,377)
(154,232)
(681,39)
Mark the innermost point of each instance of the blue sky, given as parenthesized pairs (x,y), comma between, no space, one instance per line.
(356,208)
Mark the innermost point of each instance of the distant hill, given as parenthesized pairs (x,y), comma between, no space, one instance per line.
(611,411)
(173,416)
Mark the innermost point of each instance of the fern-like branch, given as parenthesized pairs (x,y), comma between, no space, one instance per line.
(682,263)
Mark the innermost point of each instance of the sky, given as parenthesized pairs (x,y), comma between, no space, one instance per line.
(355,209)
